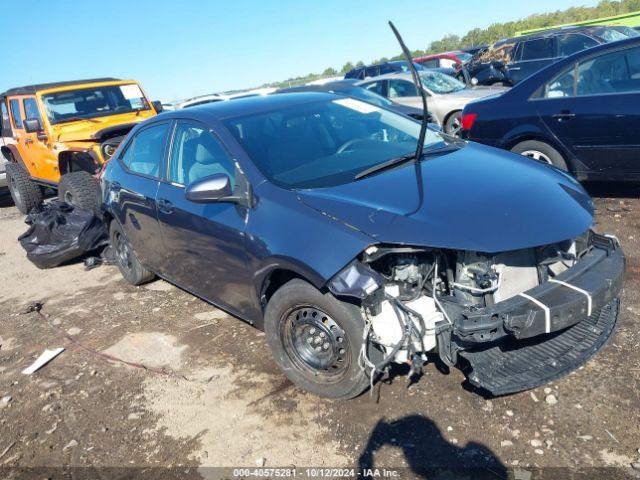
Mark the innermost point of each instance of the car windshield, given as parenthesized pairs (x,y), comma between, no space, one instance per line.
(614,34)
(363,94)
(440,83)
(325,143)
(84,103)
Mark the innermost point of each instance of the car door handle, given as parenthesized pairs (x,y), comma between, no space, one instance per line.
(28,141)
(165,206)
(564,115)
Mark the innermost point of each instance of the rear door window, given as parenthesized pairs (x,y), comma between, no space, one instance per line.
(144,154)
(16,114)
(563,85)
(402,88)
(538,49)
(615,72)
(571,43)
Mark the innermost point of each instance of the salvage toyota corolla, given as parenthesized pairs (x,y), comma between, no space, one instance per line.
(315,218)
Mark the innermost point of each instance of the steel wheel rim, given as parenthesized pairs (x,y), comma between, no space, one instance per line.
(315,343)
(537,155)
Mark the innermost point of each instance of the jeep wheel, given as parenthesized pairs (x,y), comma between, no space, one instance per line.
(81,190)
(128,264)
(25,192)
(316,340)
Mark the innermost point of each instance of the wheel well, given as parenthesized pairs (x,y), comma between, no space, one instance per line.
(276,279)
(71,161)
(7,154)
(535,138)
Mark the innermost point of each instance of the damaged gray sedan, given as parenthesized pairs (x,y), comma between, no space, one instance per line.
(314,217)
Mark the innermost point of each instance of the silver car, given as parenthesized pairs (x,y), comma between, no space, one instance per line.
(446,96)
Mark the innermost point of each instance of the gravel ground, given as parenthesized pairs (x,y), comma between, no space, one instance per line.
(210,394)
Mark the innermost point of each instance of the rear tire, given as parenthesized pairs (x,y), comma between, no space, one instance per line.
(453,125)
(541,151)
(81,190)
(128,264)
(316,340)
(25,192)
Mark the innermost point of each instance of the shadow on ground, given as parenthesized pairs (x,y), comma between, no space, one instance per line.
(612,189)
(427,453)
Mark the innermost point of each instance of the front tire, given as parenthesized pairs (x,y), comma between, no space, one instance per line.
(316,340)
(26,194)
(128,264)
(541,151)
(81,190)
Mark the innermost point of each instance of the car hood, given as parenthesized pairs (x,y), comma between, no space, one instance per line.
(477,198)
(87,129)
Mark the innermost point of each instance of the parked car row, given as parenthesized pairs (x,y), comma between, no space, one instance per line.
(509,61)
(581,114)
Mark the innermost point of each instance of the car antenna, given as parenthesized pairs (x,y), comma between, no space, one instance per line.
(418,84)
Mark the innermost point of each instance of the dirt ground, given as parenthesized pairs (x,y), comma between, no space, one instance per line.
(211,395)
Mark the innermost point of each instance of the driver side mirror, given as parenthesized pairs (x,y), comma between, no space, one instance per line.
(157,106)
(216,188)
(32,125)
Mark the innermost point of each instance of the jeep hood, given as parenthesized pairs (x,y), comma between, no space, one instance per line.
(477,198)
(87,130)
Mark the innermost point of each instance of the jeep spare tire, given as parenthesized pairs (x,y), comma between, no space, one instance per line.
(25,192)
(81,190)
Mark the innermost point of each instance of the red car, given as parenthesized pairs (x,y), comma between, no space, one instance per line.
(444,60)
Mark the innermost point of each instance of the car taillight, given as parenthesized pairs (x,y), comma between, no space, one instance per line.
(468,119)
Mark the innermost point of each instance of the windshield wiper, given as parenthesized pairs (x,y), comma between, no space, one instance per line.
(386,165)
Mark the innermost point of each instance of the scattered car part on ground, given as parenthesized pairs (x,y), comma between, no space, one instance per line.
(509,61)
(63,134)
(447,96)
(59,232)
(580,114)
(208,198)
(44,358)
(350,89)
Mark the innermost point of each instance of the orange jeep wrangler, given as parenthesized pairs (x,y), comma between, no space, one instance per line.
(62,133)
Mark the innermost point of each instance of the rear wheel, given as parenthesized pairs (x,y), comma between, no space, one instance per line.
(25,192)
(128,264)
(316,340)
(453,126)
(81,190)
(541,151)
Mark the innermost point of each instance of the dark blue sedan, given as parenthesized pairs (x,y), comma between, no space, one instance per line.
(311,216)
(581,114)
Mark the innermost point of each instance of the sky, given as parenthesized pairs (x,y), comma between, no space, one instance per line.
(179,49)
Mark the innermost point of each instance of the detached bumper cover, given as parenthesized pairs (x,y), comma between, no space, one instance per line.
(516,365)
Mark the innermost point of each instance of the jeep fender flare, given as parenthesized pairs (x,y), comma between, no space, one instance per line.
(10,152)
(84,160)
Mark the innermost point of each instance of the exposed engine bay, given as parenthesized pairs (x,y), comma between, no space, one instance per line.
(418,301)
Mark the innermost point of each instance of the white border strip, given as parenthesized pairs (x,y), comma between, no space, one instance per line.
(579,290)
(547,312)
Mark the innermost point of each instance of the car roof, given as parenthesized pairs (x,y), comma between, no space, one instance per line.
(244,106)
(30,89)
(402,75)
(552,32)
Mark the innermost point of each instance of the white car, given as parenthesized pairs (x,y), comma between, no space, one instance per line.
(193,102)
(446,96)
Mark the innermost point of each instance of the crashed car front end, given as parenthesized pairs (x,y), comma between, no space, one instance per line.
(510,320)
